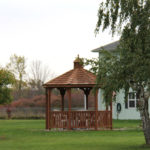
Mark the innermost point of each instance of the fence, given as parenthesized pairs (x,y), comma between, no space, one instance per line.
(22,113)
(27,112)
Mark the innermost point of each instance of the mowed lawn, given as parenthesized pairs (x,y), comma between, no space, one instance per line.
(30,135)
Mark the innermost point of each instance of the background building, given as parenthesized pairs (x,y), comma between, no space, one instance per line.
(121,109)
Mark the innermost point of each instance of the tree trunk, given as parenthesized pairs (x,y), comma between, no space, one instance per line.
(20,86)
(143,107)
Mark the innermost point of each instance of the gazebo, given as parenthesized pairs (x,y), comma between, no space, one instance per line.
(80,78)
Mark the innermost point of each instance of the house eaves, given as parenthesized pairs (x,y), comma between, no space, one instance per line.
(109,47)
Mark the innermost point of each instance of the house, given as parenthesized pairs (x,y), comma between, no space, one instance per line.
(121,109)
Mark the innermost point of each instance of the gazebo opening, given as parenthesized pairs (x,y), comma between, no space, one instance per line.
(84,117)
(78,99)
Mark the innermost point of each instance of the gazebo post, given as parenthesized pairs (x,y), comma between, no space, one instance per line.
(46,114)
(106,118)
(111,114)
(106,107)
(86,92)
(62,92)
(96,109)
(87,101)
(48,108)
(69,107)
(62,102)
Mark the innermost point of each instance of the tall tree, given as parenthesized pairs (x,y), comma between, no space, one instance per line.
(131,68)
(39,73)
(17,65)
(6,81)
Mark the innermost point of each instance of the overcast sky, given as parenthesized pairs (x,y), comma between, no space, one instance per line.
(53,31)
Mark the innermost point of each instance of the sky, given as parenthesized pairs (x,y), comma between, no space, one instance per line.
(52,31)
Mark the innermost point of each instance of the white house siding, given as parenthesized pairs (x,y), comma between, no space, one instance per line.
(125,113)
(101,105)
(129,113)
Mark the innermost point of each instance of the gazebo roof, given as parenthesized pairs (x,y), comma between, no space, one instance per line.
(77,77)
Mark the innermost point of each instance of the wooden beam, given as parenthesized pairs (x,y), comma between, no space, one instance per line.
(50,90)
(87,105)
(69,108)
(111,126)
(62,92)
(106,106)
(86,92)
(62,102)
(48,108)
(107,117)
(96,109)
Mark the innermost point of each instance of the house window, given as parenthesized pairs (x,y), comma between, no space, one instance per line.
(132,100)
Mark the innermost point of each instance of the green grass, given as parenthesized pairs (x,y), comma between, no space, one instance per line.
(30,135)
(127,124)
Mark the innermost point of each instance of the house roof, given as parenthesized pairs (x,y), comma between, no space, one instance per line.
(77,77)
(110,47)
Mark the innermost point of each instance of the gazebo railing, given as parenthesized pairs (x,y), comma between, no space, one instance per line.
(80,119)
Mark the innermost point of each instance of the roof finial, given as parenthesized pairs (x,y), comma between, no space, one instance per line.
(78,62)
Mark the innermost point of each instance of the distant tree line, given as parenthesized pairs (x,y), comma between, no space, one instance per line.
(16,82)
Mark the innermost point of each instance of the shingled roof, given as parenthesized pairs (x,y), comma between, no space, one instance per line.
(77,77)
(108,47)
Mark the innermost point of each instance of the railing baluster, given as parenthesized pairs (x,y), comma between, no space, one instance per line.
(81,119)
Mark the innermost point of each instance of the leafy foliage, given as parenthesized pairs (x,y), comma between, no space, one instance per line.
(17,67)
(92,64)
(6,81)
(121,13)
(131,68)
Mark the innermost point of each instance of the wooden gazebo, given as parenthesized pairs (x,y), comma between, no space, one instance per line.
(84,80)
